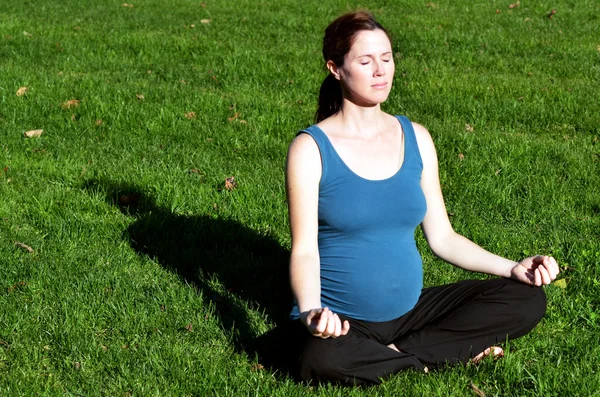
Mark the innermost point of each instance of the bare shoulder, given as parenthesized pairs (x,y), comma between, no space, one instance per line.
(425,142)
(304,156)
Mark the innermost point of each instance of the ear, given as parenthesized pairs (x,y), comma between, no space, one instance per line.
(333,69)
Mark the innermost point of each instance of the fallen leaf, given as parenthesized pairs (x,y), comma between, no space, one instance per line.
(5,169)
(203,5)
(77,365)
(562,283)
(235,116)
(514,5)
(190,327)
(190,115)
(104,348)
(205,21)
(461,156)
(99,122)
(498,11)
(27,34)
(526,19)
(140,97)
(73,117)
(24,246)
(71,103)
(232,107)
(33,133)
(22,91)
(257,367)
(498,171)
(196,171)
(17,285)
(230,183)
(598,48)
(477,390)
(125,346)
(431,5)
(127,5)
(551,14)
(468,128)
(46,347)
(129,199)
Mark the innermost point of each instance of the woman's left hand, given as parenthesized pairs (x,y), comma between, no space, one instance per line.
(536,270)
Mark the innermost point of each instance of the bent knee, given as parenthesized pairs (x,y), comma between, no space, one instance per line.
(321,360)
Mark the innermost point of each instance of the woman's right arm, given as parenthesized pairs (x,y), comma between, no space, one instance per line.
(303,173)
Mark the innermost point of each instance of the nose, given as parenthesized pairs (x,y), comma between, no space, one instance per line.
(379,69)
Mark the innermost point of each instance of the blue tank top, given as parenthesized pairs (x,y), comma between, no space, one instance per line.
(371,269)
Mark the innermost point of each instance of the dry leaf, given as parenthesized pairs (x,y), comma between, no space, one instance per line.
(431,5)
(77,365)
(22,91)
(461,156)
(104,348)
(190,327)
(71,103)
(5,169)
(32,133)
(127,5)
(203,5)
(235,116)
(129,199)
(99,122)
(598,48)
(196,171)
(498,11)
(140,97)
(73,117)
(477,390)
(514,5)
(190,115)
(24,246)
(27,34)
(551,14)
(205,21)
(17,285)
(257,367)
(468,128)
(562,283)
(498,171)
(230,183)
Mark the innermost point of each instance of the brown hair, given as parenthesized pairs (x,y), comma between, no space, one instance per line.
(337,42)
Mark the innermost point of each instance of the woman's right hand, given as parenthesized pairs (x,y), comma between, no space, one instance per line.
(323,323)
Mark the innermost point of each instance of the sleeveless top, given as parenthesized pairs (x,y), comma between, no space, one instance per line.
(371,269)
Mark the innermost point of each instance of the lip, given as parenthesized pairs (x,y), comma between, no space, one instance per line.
(380,85)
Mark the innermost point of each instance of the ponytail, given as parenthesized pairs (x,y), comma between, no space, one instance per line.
(330,98)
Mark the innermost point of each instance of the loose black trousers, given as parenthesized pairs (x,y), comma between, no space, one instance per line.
(449,324)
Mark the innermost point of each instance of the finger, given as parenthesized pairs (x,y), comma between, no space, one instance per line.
(330,324)
(552,271)
(345,328)
(546,279)
(537,277)
(338,326)
(554,266)
(322,323)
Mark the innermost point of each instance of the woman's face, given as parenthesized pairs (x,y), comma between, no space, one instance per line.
(368,69)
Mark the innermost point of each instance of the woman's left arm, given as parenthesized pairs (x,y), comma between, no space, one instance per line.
(458,250)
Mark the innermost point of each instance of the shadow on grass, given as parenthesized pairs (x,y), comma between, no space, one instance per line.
(232,265)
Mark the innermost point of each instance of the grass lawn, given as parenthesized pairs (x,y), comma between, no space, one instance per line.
(130,266)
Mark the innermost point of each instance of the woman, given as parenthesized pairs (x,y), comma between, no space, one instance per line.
(358,184)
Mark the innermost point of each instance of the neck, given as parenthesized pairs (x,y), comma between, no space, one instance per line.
(359,120)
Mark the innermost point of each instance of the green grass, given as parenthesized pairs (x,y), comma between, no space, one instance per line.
(135,236)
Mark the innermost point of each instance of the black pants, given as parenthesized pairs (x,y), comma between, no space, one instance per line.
(449,324)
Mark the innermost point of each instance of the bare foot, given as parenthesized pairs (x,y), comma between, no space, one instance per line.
(393,347)
(494,351)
